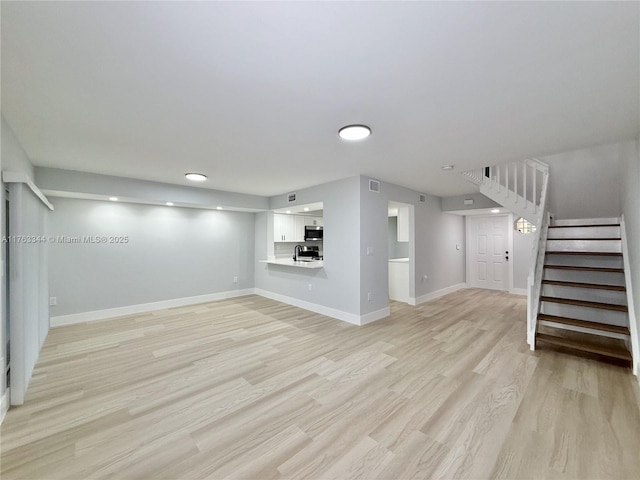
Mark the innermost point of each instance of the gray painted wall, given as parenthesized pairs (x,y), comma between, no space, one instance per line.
(396,249)
(436,236)
(337,285)
(585,183)
(522,252)
(630,153)
(171,253)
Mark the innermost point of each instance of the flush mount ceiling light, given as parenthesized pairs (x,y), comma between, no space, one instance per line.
(354,132)
(113,199)
(195,177)
(447,167)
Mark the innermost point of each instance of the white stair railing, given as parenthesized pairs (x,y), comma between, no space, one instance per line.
(534,281)
(519,186)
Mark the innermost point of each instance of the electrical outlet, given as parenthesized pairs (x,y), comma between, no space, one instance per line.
(53,301)
(235,279)
(310,287)
(369,296)
(369,251)
(425,278)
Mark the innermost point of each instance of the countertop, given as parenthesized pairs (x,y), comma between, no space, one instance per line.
(289,262)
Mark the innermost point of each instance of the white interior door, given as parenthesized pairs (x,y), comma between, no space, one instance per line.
(489,252)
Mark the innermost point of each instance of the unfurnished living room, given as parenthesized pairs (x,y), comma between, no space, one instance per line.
(320,240)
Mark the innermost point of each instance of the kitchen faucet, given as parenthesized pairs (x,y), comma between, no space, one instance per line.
(296,250)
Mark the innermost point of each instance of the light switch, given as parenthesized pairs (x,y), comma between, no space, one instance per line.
(369,251)
(457,246)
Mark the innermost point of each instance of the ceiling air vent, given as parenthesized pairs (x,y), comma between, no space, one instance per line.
(422,198)
(291,197)
(374,185)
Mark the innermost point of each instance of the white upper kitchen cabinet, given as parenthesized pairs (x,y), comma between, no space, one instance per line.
(313,221)
(288,228)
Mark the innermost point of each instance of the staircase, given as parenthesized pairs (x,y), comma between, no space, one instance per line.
(583,300)
(576,295)
(520,186)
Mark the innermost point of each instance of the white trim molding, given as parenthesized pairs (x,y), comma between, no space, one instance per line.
(4,404)
(437,294)
(518,291)
(145,307)
(352,318)
(19,177)
(633,323)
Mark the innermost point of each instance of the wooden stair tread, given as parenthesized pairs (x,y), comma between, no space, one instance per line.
(587,226)
(584,324)
(586,269)
(594,254)
(583,238)
(585,347)
(585,303)
(596,286)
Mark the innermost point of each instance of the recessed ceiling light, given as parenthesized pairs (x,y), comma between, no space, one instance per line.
(288,211)
(169,204)
(447,167)
(495,210)
(195,177)
(354,132)
(218,208)
(306,209)
(113,199)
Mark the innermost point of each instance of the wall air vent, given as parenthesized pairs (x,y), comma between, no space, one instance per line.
(422,198)
(291,197)
(374,185)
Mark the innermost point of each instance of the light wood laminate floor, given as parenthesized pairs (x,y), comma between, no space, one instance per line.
(254,389)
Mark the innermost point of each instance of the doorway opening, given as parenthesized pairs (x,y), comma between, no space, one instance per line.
(400,243)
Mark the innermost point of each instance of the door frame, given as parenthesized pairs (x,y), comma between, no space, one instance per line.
(468,259)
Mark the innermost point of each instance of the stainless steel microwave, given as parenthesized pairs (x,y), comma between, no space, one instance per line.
(312,233)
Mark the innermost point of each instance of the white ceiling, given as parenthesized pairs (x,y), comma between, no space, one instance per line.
(252,94)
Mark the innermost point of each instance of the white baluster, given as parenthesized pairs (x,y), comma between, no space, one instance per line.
(524,183)
(534,194)
(515,180)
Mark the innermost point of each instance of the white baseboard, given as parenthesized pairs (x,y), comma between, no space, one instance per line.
(4,404)
(519,291)
(373,316)
(145,307)
(437,294)
(351,318)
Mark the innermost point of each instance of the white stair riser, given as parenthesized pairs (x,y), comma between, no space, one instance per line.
(588,294)
(584,232)
(582,313)
(587,221)
(584,246)
(591,331)
(584,277)
(584,261)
